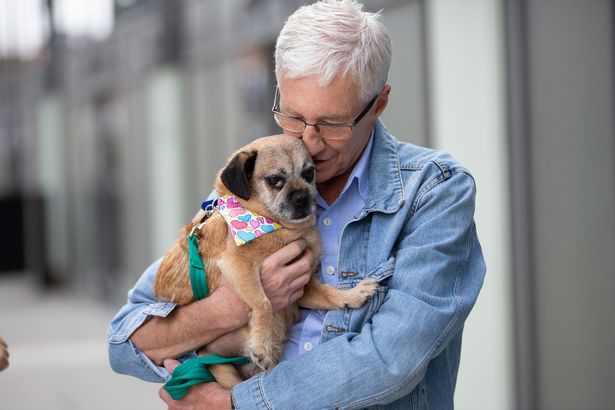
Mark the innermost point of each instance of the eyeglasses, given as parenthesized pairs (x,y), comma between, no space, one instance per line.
(326,131)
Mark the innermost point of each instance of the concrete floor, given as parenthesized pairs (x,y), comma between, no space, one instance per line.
(58,354)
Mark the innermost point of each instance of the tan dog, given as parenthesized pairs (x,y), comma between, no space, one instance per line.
(274,177)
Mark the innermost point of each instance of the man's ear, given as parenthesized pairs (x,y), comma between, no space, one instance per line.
(238,172)
(383,100)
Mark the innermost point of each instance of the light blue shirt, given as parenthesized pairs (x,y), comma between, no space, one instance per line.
(332,219)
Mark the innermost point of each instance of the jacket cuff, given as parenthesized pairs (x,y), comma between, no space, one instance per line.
(160,309)
(126,358)
(159,371)
(250,394)
(130,318)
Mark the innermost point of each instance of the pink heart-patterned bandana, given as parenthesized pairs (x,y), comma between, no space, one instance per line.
(244,225)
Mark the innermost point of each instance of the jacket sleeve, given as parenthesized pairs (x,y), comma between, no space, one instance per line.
(124,356)
(438,273)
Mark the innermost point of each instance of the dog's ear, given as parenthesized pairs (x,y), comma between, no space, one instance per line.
(238,172)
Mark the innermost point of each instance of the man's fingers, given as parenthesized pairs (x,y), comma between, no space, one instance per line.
(300,280)
(298,267)
(288,253)
(168,400)
(297,295)
(4,355)
(164,395)
(170,364)
(285,273)
(4,361)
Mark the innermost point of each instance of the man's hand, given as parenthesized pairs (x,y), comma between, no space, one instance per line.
(200,396)
(4,355)
(285,273)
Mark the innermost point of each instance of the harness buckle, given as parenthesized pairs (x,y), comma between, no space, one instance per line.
(195,232)
(196,229)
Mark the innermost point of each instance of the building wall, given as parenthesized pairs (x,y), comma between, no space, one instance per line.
(468,119)
(406,115)
(571,147)
(53,182)
(165,147)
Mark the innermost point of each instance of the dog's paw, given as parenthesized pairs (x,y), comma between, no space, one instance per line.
(261,355)
(262,360)
(364,290)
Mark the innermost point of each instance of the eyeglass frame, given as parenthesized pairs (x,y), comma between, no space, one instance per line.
(359,117)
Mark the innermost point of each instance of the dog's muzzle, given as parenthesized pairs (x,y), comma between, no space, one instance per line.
(301,203)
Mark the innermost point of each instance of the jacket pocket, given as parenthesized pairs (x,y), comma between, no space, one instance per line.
(365,313)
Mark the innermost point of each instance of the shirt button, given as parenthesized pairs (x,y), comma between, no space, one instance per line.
(307,346)
(330,270)
(327,221)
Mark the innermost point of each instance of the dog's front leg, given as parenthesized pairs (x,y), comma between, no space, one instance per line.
(321,296)
(243,275)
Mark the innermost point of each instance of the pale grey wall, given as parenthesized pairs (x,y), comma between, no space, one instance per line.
(467,106)
(53,182)
(406,114)
(573,177)
(166,151)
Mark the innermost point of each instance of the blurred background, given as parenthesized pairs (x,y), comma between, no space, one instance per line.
(115,115)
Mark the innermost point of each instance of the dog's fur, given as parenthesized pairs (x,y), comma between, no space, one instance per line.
(274,177)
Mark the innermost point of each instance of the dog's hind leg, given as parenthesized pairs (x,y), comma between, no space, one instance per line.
(227,345)
(226,375)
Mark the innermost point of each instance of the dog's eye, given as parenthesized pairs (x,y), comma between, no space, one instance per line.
(308,174)
(275,181)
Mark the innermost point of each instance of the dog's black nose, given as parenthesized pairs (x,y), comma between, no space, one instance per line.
(300,199)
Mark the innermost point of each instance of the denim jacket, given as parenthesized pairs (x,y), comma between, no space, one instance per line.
(415,236)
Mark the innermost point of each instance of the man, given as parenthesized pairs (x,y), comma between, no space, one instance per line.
(387,210)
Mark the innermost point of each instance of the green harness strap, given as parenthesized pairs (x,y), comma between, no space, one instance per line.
(195,370)
(198,278)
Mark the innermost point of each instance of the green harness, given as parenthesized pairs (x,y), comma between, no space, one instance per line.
(195,370)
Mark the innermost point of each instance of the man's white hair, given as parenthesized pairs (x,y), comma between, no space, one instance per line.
(331,37)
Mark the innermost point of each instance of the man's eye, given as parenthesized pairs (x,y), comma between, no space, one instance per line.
(275,181)
(308,174)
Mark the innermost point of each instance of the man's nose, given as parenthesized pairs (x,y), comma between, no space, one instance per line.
(312,140)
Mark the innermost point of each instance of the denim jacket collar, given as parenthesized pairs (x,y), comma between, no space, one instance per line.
(384,172)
